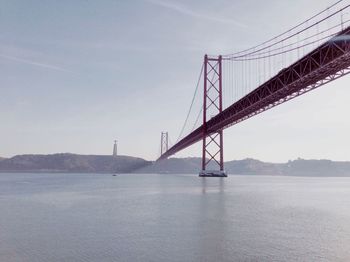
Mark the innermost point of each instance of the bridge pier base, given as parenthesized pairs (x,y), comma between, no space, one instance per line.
(212,173)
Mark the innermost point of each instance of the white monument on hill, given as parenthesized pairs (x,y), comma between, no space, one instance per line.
(115,148)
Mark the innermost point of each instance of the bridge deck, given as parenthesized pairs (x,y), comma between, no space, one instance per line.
(326,63)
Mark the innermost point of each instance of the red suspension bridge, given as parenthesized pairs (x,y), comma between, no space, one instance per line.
(243,84)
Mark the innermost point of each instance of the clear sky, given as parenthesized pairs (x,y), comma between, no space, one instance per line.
(75,75)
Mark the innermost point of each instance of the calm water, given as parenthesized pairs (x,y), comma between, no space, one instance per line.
(87,217)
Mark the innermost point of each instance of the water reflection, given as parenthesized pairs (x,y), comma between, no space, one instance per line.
(210,184)
(212,225)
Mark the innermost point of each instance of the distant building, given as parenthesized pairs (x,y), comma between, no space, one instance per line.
(115,148)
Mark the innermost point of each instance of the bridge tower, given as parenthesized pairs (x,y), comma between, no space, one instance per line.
(164,142)
(212,105)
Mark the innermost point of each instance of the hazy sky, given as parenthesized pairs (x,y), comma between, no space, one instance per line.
(75,75)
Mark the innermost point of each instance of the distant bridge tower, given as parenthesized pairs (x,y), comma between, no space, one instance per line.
(164,142)
(115,148)
(213,151)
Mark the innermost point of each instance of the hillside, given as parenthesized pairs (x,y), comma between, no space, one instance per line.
(299,167)
(72,163)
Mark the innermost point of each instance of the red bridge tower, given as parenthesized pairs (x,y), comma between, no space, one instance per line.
(212,105)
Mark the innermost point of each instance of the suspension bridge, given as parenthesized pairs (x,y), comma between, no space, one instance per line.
(243,84)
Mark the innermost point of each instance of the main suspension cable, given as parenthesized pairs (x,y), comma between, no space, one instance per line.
(192,102)
(243,54)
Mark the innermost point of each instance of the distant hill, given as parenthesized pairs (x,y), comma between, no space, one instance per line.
(302,167)
(173,166)
(72,163)
(193,166)
(299,167)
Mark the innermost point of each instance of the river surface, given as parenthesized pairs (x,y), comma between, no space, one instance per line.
(94,217)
